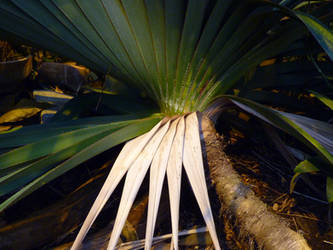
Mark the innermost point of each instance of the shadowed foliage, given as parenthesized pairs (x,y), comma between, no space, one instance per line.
(183,55)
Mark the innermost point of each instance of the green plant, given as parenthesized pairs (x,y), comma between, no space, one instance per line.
(183,55)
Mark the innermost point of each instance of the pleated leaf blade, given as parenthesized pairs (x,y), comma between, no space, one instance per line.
(156,179)
(193,164)
(313,133)
(124,160)
(106,142)
(134,178)
(174,174)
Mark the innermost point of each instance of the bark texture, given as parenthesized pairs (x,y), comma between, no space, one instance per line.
(254,218)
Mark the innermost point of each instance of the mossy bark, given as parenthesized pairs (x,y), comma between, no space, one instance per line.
(253,216)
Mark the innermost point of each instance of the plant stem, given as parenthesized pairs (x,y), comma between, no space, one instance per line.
(252,215)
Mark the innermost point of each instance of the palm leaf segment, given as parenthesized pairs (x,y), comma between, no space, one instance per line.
(182,53)
(165,148)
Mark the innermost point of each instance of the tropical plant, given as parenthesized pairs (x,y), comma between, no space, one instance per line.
(183,55)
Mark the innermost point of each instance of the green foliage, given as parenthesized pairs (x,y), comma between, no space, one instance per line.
(323,35)
(183,54)
(312,165)
(306,166)
(329,189)
(75,154)
(324,99)
(315,134)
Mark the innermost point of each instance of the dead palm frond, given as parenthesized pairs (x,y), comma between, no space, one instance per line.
(164,149)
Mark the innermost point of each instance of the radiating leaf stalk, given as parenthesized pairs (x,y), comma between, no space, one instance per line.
(207,38)
(191,32)
(134,178)
(24,26)
(124,160)
(174,174)
(107,142)
(156,19)
(228,54)
(157,174)
(50,145)
(100,23)
(122,33)
(252,58)
(117,12)
(194,168)
(183,60)
(162,148)
(139,24)
(37,168)
(34,133)
(73,16)
(174,18)
(224,33)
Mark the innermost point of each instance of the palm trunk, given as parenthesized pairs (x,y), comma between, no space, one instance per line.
(253,216)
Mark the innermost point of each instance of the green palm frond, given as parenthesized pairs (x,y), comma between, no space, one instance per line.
(315,134)
(324,99)
(322,33)
(183,54)
(57,163)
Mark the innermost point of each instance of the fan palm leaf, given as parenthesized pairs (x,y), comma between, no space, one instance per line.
(183,54)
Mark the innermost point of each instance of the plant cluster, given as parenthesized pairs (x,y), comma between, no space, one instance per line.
(184,56)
